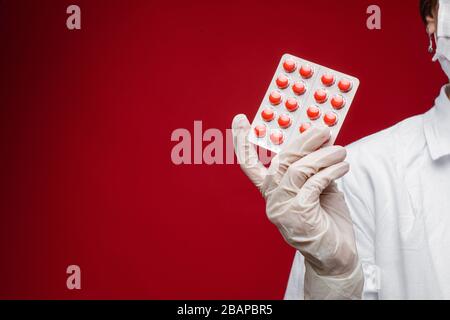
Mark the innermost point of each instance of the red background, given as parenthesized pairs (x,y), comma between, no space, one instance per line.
(85,125)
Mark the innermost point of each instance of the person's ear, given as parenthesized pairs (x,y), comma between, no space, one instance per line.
(431,25)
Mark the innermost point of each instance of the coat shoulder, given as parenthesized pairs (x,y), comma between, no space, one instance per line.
(391,143)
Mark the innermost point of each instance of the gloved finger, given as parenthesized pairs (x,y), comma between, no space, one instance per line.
(299,147)
(302,170)
(332,188)
(246,152)
(307,200)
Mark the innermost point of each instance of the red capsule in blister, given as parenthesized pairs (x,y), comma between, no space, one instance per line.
(313,112)
(306,71)
(327,79)
(277,137)
(338,102)
(282,81)
(304,126)
(275,98)
(330,119)
(260,131)
(289,65)
(299,88)
(284,121)
(268,114)
(321,96)
(291,104)
(345,85)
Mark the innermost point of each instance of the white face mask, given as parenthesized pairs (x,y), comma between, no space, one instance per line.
(443,54)
(443,37)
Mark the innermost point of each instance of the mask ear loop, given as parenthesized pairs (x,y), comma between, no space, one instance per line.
(431,47)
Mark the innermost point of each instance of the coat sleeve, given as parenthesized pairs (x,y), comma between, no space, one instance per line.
(358,191)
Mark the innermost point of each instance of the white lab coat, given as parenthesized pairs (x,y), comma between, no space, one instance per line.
(398,193)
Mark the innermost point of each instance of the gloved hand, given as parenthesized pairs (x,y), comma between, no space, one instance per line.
(302,199)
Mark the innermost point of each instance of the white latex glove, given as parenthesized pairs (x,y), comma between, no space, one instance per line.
(305,204)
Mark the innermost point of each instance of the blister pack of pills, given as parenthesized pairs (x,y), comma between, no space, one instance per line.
(302,94)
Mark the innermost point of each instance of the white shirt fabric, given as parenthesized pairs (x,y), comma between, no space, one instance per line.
(398,193)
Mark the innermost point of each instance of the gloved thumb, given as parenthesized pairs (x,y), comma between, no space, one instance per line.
(240,123)
(246,152)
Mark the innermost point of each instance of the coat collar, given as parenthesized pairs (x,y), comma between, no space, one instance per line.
(437,126)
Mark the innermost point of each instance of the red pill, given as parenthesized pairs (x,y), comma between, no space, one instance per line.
(260,131)
(313,112)
(345,85)
(306,71)
(291,104)
(268,114)
(275,98)
(284,121)
(289,65)
(338,102)
(282,82)
(277,137)
(299,88)
(330,119)
(305,126)
(321,96)
(328,79)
